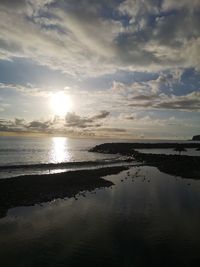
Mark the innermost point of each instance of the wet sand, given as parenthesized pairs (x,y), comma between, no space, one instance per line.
(32,189)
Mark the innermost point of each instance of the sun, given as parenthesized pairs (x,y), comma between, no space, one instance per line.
(60,103)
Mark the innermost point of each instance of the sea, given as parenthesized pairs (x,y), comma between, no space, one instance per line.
(39,155)
(146,219)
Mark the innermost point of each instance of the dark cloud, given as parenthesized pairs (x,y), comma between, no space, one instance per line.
(107,129)
(130,118)
(146,104)
(74,120)
(20,125)
(13,4)
(189,102)
(180,104)
(4,125)
(103,114)
(57,124)
(144,97)
(19,122)
(38,125)
(16,125)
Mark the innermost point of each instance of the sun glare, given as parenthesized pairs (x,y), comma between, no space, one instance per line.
(61,103)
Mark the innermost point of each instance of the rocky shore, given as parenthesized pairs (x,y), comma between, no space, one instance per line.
(32,189)
(127,148)
(177,165)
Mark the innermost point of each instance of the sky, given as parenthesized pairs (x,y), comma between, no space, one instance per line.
(109,68)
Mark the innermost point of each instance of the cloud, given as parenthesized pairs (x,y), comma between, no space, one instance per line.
(16,125)
(157,93)
(120,130)
(27,89)
(3,105)
(66,41)
(129,117)
(20,122)
(74,120)
(141,125)
(138,10)
(153,86)
(95,42)
(189,102)
(155,125)
(73,124)
(81,40)
(102,115)
(38,125)
(21,125)
(173,4)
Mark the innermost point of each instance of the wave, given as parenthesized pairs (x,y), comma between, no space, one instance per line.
(65,165)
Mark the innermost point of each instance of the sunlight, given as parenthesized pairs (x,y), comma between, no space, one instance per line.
(59,152)
(61,103)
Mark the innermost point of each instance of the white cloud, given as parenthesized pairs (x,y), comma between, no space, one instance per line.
(189,102)
(174,4)
(28,89)
(76,39)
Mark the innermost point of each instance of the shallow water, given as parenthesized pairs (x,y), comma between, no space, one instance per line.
(170,151)
(150,220)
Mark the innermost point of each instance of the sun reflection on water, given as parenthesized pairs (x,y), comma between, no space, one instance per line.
(60,150)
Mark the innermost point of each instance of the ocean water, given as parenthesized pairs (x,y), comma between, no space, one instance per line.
(36,155)
(146,219)
(35,150)
(170,151)
(26,152)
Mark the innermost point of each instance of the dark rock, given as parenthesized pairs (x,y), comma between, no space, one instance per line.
(177,165)
(196,138)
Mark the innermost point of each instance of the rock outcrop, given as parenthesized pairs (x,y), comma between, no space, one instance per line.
(196,138)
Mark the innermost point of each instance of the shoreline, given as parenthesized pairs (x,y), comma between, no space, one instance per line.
(126,148)
(29,190)
(63,165)
(177,165)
